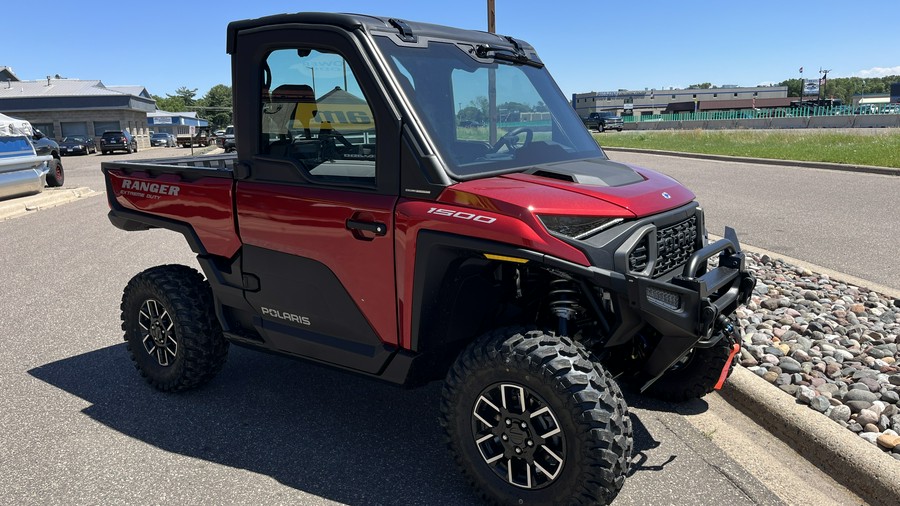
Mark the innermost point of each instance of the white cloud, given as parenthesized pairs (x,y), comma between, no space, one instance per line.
(878,72)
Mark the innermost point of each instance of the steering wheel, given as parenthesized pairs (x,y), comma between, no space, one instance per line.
(511,139)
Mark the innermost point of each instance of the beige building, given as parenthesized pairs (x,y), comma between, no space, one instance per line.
(652,101)
(64,107)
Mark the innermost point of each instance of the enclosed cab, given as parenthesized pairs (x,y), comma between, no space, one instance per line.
(388,212)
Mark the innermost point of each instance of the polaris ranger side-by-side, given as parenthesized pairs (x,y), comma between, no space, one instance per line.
(358,225)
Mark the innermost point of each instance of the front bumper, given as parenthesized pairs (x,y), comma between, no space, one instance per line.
(693,308)
(655,270)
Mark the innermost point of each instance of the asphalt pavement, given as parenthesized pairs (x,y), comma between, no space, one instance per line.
(79,426)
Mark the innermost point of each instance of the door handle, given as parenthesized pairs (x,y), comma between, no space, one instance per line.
(374,227)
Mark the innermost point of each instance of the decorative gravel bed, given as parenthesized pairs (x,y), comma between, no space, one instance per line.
(831,345)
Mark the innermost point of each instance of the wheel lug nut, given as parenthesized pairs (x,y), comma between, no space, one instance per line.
(518,451)
(504,437)
(524,425)
(508,422)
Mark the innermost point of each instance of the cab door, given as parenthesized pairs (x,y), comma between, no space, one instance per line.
(315,203)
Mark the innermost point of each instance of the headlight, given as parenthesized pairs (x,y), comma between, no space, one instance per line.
(578,227)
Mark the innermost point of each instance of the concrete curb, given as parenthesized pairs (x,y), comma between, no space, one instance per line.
(50,197)
(869,169)
(850,460)
(847,458)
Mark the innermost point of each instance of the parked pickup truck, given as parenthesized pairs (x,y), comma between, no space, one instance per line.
(226,140)
(602,121)
(357,225)
(22,170)
(200,138)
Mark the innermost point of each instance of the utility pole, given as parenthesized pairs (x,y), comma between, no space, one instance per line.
(492,81)
(490,16)
(824,72)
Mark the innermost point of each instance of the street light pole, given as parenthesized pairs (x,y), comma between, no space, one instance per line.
(313,70)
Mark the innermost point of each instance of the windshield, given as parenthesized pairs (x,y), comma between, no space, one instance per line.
(73,139)
(159,136)
(529,121)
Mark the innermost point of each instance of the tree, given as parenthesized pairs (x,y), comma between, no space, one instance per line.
(185,94)
(845,88)
(473,114)
(701,86)
(171,104)
(215,106)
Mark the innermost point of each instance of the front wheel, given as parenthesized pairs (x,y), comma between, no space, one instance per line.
(170,327)
(696,374)
(530,419)
(56,176)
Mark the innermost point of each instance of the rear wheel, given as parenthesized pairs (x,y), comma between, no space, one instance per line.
(171,331)
(56,176)
(696,374)
(531,420)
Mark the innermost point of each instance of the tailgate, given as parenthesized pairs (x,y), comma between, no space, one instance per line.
(195,200)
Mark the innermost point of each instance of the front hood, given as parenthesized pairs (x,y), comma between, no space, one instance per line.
(592,187)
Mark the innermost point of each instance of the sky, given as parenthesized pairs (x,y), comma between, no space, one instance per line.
(587,45)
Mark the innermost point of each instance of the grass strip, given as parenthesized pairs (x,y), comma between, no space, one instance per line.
(879,149)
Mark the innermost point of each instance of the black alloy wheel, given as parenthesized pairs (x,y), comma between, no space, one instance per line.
(531,419)
(518,435)
(171,330)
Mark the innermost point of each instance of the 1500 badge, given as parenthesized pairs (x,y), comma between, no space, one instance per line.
(462,215)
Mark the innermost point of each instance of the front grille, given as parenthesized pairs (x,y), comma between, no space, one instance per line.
(640,256)
(674,246)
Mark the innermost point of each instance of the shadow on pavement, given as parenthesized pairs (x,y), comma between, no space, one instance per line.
(322,431)
(643,439)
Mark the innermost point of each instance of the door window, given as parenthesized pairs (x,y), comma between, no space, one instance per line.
(314,113)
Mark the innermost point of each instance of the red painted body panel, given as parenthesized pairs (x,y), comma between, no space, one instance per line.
(517,228)
(206,204)
(642,199)
(312,223)
(514,201)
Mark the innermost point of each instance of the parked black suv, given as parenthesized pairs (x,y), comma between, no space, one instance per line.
(118,140)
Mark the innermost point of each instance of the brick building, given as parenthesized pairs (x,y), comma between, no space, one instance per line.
(62,107)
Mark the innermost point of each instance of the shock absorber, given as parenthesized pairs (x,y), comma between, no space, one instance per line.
(564,301)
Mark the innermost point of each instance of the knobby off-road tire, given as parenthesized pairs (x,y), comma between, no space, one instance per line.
(170,327)
(696,375)
(518,400)
(57,175)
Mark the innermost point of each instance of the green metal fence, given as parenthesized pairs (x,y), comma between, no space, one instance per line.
(780,112)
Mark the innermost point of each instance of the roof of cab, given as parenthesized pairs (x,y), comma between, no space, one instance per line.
(352,22)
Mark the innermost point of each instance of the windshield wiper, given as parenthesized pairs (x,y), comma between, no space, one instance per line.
(516,56)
